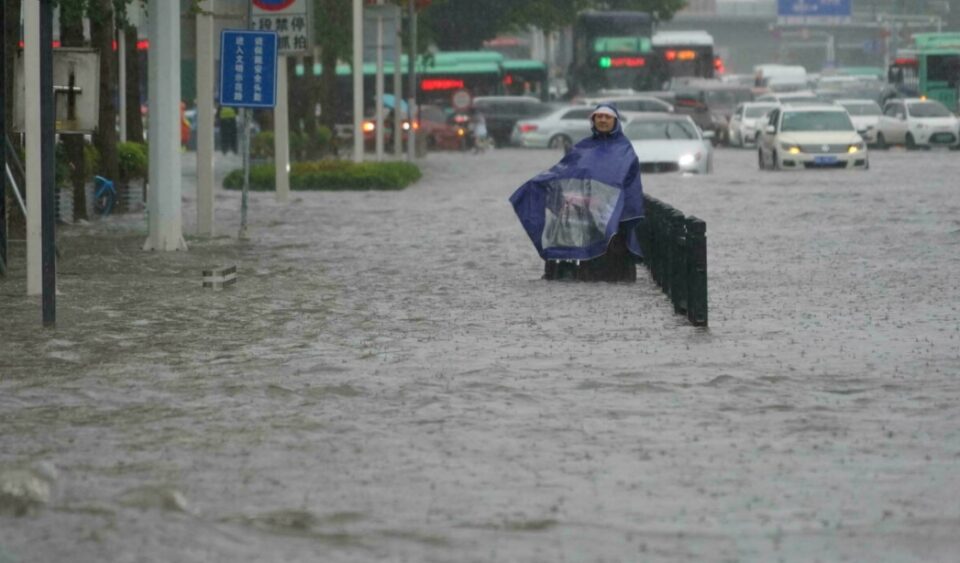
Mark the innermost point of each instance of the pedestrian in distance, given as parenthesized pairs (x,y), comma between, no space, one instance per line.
(582,213)
(479,129)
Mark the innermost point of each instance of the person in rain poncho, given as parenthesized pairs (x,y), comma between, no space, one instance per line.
(584,210)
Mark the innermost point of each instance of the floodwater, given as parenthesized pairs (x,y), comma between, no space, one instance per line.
(391,380)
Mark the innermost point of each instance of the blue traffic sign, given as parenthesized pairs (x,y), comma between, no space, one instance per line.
(813,8)
(248,68)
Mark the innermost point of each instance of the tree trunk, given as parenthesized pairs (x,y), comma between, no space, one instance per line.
(133,117)
(71,35)
(16,222)
(102,35)
(328,89)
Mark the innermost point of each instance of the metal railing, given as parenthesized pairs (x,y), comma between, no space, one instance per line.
(675,251)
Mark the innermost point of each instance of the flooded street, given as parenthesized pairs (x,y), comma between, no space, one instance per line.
(391,380)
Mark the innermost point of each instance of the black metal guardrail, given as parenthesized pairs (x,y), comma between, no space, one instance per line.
(675,251)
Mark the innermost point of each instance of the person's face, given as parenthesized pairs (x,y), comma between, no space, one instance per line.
(604,123)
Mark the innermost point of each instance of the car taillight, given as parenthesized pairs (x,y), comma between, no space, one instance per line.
(527,127)
(369,126)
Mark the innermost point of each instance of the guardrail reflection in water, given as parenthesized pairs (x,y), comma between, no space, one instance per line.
(675,251)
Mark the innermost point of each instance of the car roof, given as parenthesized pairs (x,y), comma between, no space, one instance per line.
(918,100)
(655,116)
(506,99)
(855,101)
(814,107)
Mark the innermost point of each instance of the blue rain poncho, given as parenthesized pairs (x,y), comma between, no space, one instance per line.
(572,210)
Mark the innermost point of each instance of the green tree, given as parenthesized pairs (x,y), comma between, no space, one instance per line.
(333,32)
(102,28)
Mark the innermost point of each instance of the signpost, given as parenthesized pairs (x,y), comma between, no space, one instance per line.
(290,19)
(813,12)
(292,22)
(248,79)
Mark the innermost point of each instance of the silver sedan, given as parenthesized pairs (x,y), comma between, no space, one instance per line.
(559,129)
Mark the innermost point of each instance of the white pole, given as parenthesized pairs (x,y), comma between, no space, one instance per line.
(122,80)
(358,80)
(412,84)
(164,191)
(281,133)
(397,89)
(31,66)
(379,87)
(205,116)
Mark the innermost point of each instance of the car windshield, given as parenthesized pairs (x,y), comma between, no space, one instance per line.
(660,130)
(928,109)
(816,121)
(759,111)
(863,109)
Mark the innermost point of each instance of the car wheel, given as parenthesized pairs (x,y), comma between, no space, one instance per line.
(911,143)
(559,142)
(882,142)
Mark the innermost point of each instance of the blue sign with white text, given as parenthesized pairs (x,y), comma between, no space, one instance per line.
(248,68)
(813,8)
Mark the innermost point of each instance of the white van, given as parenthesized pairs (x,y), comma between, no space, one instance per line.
(780,78)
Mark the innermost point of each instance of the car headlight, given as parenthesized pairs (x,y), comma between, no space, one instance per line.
(790,148)
(857,147)
(687,160)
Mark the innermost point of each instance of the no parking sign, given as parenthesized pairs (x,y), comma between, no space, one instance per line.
(290,19)
(273,5)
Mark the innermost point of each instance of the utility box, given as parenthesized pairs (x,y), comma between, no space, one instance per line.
(76,87)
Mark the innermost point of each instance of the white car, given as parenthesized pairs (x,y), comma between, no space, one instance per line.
(746,122)
(865,115)
(917,122)
(811,136)
(559,129)
(645,103)
(667,142)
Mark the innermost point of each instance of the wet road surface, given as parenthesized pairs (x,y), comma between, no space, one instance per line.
(390,380)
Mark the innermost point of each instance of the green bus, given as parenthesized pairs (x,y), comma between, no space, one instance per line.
(929,68)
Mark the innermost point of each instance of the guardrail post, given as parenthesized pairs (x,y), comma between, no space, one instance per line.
(697,271)
(675,252)
(678,286)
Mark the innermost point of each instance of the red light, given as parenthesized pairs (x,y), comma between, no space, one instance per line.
(56,44)
(142,45)
(670,55)
(508,80)
(627,62)
(718,65)
(433,84)
(905,61)
(527,127)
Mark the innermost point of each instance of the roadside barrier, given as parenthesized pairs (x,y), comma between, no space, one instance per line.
(675,252)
